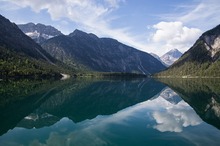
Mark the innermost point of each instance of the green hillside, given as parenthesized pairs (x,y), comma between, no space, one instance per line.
(21,57)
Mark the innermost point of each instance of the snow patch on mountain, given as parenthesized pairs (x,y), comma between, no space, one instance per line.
(37,35)
(33,35)
(39,32)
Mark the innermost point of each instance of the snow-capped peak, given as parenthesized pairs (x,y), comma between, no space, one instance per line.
(170,57)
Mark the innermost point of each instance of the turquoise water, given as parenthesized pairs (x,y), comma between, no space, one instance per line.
(105,112)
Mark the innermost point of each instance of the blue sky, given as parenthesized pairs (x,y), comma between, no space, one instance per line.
(149,25)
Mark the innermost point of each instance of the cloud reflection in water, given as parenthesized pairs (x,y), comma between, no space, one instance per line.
(173,117)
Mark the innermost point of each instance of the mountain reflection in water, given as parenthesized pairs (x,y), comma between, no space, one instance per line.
(76,99)
(203,95)
(110,112)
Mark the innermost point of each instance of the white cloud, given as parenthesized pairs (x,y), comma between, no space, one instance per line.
(90,16)
(172,35)
(184,23)
(114,3)
(174,31)
(203,14)
(75,10)
(206,12)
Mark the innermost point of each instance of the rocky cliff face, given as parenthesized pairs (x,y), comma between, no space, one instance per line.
(39,32)
(211,40)
(101,54)
(207,47)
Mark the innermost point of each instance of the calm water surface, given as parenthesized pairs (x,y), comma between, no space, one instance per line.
(120,112)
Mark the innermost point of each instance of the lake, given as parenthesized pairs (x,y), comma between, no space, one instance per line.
(110,112)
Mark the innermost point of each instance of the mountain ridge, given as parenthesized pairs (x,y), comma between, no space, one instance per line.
(79,50)
(39,32)
(101,54)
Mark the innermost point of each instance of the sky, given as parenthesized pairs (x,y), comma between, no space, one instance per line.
(153,26)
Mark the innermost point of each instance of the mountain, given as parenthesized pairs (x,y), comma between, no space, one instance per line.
(39,32)
(101,54)
(21,56)
(170,57)
(158,58)
(202,59)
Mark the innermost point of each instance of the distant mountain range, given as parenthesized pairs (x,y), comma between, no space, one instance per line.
(101,54)
(39,32)
(81,51)
(88,52)
(78,52)
(168,58)
(202,59)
